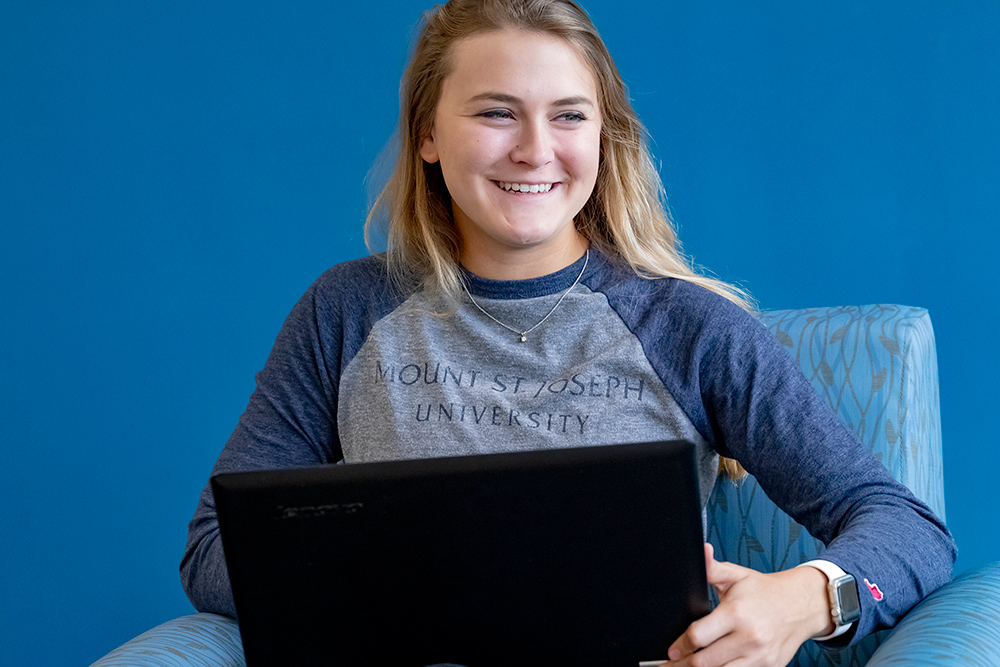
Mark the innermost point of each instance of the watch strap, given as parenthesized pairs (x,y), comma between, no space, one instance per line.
(832,572)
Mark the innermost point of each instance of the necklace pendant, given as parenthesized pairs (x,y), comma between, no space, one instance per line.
(523,335)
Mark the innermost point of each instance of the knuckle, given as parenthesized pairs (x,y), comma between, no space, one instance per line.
(697,660)
(756,636)
(696,635)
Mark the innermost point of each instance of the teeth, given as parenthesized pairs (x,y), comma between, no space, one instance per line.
(524,187)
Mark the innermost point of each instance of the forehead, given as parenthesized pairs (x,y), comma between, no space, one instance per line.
(527,64)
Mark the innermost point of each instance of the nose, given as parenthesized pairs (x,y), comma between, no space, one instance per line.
(534,145)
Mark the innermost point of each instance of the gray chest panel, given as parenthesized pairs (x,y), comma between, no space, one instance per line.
(428,385)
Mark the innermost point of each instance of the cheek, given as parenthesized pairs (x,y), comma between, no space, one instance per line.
(583,159)
(485,148)
(477,147)
(594,156)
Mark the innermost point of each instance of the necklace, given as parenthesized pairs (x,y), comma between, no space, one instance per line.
(523,335)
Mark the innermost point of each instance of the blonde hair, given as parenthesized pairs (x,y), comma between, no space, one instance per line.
(625,218)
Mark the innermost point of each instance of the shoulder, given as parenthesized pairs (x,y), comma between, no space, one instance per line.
(694,337)
(698,301)
(694,308)
(347,299)
(673,307)
(362,274)
(337,312)
(357,285)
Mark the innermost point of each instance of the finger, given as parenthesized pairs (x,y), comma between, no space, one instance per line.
(727,651)
(700,634)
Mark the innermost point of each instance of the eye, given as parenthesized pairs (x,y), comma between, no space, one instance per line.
(496,114)
(572,116)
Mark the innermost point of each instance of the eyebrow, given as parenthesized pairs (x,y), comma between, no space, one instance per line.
(504,98)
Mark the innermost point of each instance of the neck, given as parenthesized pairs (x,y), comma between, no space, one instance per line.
(524,263)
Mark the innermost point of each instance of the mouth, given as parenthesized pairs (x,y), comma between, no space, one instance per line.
(527,188)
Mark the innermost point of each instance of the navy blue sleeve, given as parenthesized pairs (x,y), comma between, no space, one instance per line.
(747,397)
(291,419)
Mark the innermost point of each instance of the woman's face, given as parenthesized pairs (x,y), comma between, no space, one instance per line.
(517,132)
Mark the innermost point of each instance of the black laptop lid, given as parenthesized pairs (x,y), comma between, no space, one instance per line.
(587,556)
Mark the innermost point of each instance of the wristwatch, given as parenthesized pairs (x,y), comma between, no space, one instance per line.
(845,607)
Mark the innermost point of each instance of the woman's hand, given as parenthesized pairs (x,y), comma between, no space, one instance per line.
(762,619)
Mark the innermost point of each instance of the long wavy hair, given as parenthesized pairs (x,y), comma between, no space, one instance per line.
(626,216)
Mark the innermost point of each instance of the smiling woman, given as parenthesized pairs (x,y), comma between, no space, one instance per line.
(524,200)
(623,215)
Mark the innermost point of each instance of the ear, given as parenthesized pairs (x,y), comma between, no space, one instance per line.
(428,149)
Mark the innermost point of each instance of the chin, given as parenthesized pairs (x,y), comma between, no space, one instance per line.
(530,240)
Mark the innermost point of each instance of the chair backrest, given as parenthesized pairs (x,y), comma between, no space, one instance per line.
(876,366)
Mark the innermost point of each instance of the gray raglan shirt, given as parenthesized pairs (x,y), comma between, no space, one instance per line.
(362,371)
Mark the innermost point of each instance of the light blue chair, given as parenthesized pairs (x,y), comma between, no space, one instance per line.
(877,368)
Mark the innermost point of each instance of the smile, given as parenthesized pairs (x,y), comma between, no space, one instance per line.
(525,187)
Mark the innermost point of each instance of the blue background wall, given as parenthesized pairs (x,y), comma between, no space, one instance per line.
(174,174)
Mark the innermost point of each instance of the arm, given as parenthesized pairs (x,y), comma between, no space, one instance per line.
(748,398)
(767,415)
(290,421)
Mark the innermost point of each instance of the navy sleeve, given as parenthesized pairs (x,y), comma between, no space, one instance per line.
(291,419)
(747,397)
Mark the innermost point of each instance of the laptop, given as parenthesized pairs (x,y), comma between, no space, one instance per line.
(582,556)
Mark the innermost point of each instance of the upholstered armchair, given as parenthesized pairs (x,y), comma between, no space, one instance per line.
(877,368)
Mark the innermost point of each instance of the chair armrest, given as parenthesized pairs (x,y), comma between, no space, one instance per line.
(955,625)
(200,640)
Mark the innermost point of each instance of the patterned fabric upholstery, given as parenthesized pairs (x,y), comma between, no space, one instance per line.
(877,368)
(198,640)
(958,624)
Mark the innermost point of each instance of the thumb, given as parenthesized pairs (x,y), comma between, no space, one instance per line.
(721,574)
(709,556)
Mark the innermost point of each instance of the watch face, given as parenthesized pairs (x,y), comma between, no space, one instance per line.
(850,606)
